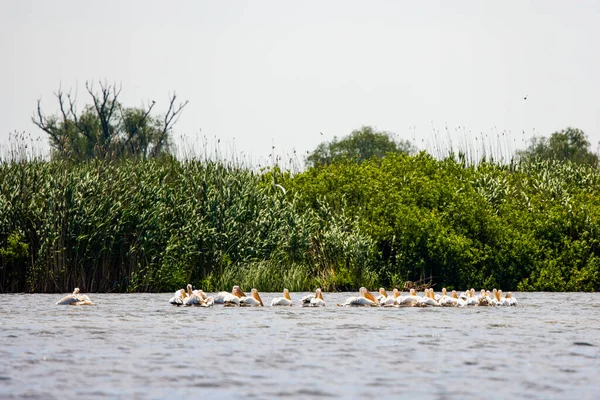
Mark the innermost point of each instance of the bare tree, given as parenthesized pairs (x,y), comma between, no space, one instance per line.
(105,128)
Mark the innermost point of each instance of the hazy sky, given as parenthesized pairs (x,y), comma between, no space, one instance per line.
(263,73)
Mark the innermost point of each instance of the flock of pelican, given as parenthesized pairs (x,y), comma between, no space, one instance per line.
(237,298)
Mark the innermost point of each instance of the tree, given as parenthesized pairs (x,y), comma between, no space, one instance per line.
(106,128)
(569,144)
(362,144)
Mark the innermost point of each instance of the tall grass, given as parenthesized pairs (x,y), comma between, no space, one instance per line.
(155,225)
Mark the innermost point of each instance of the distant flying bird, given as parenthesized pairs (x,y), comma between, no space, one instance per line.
(525,98)
(321,133)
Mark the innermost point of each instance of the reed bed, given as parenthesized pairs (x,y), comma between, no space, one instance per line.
(475,218)
(154,225)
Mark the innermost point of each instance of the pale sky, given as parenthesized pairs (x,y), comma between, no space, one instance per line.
(264,73)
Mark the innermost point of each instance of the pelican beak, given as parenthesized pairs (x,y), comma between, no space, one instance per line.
(321,295)
(238,292)
(257,297)
(286,294)
(369,296)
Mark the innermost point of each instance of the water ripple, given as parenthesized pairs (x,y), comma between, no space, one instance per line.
(542,349)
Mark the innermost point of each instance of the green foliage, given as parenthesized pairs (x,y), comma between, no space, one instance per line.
(157,224)
(362,144)
(569,144)
(13,253)
(531,226)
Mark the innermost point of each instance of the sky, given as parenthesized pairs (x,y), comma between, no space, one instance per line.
(279,77)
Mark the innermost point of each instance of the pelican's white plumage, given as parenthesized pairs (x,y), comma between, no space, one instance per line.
(511,300)
(318,300)
(364,299)
(472,300)
(409,300)
(177,300)
(233,298)
(75,299)
(305,300)
(385,300)
(445,300)
(458,302)
(253,300)
(283,301)
(428,299)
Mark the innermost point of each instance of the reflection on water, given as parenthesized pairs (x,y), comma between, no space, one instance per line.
(139,346)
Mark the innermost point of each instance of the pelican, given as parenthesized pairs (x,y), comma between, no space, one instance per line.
(472,300)
(458,302)
(495,299)
(253,300)
(305,301)
(511,300)
(75,299)
(385,300)
(220,297)
(317,301)
(177,300)
(192,298)
(233,298)
(484,300)
(382,294)
(364,299)
(397,297)
(504,301)
(445,300)
(410,300)
(428,300)
(283,301)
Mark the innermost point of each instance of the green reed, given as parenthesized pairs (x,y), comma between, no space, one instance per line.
(154,225)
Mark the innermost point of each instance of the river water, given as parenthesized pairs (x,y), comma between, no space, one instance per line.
(139,346)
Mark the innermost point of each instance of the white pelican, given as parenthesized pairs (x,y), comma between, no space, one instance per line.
(504,301)
(410,300)
(511,300)
(254,299)
(472,300)
(445,300)
(75,299)
(305,301)
(484,299)
(495,299)
(317,301)
(428,300)
(233,298)
(397,296)
(458,302)
(364,298)
(283,301)
(219,298)
(382,294)
(177,300)
(192,298)
(385,300)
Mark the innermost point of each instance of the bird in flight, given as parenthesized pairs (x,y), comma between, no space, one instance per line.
(525,98)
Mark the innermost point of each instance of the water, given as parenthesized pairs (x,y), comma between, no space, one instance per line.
(138,346)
